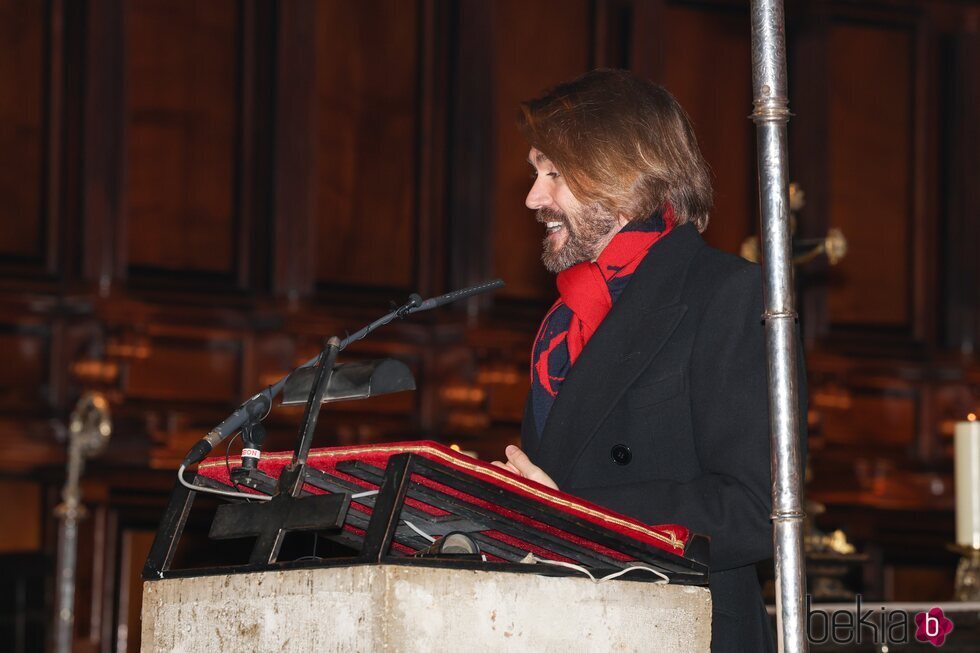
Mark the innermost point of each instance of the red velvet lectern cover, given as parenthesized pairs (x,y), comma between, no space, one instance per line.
(668,537)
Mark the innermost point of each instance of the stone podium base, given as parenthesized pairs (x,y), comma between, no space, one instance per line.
(405,608)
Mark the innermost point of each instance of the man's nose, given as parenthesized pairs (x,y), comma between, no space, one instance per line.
(539,197)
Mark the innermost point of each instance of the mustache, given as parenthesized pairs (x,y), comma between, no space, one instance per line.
(551,215)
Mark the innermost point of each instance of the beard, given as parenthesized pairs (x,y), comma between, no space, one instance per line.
(587,232)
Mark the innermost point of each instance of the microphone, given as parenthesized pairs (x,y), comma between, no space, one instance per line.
(455,543)
(252,411)
(456,295)
(258,406)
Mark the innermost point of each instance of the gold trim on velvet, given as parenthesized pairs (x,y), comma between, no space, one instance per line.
(459,461)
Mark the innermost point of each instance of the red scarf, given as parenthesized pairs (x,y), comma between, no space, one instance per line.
(587,292)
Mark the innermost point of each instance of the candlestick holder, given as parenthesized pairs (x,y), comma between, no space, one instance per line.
(967,584)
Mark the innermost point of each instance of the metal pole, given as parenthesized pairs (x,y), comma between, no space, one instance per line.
(89,430)
(69,512)
(771,113)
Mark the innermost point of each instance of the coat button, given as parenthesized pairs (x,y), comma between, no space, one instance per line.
(621,454)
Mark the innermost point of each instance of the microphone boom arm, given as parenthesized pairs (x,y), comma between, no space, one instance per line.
(258,406)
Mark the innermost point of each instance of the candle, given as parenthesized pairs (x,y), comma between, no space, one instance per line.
(967,455)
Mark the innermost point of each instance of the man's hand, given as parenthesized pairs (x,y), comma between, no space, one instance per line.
(520,464)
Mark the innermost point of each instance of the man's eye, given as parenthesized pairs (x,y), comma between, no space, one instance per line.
(554,175)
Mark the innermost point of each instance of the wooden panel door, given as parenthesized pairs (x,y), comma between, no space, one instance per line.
(704,61)
(182,119)
(30,73)
(367,160)
(871,190)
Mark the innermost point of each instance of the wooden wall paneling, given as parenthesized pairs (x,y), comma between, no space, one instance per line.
(434,100)
(499,367)
(103,577)
(960,155)
(470,172)
(184,368)
(102,154)
(30,137)
(612,35)
(929,445)
(930,223)
(181,140)
(54,136)
(105,560)
(367,99)
(39,339)
(900,401)
(297,129)
(872,189)
(954,397)
(55,390)
(874,418)
(925,199)
(273,356)
(20,520)
(648,29)
(525,64)
(444,358)
(471,175)
(248,377)
(433,197)
(807,54)
(706,64)
(24,374)
(22,128)
(76,339)
(931,582)
(256,81)
(75,20)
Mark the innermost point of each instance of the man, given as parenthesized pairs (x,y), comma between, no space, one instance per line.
(649,389)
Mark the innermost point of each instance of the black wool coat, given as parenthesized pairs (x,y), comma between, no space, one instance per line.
(664,417)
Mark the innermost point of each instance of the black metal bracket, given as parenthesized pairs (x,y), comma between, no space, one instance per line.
(269,521)
(387,508)
(171,528)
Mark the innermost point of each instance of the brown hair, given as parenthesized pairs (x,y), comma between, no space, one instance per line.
(623,142)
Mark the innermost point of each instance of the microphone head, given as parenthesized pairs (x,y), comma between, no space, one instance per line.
(457,543)
(457,295)
(454,544)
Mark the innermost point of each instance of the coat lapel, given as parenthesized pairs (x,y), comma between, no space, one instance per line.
(639,324)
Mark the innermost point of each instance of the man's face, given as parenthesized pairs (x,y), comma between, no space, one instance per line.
(575,232)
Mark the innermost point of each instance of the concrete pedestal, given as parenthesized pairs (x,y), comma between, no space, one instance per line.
(402,608)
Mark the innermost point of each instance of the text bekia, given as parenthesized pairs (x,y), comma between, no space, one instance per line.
(879,626)
(857,626)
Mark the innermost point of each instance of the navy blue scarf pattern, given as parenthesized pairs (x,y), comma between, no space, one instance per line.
(551,358)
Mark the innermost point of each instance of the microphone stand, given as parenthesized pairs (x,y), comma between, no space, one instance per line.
(286,510)
(292,477)
(256,408)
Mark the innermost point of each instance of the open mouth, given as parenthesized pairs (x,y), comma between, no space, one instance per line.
(553,227)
